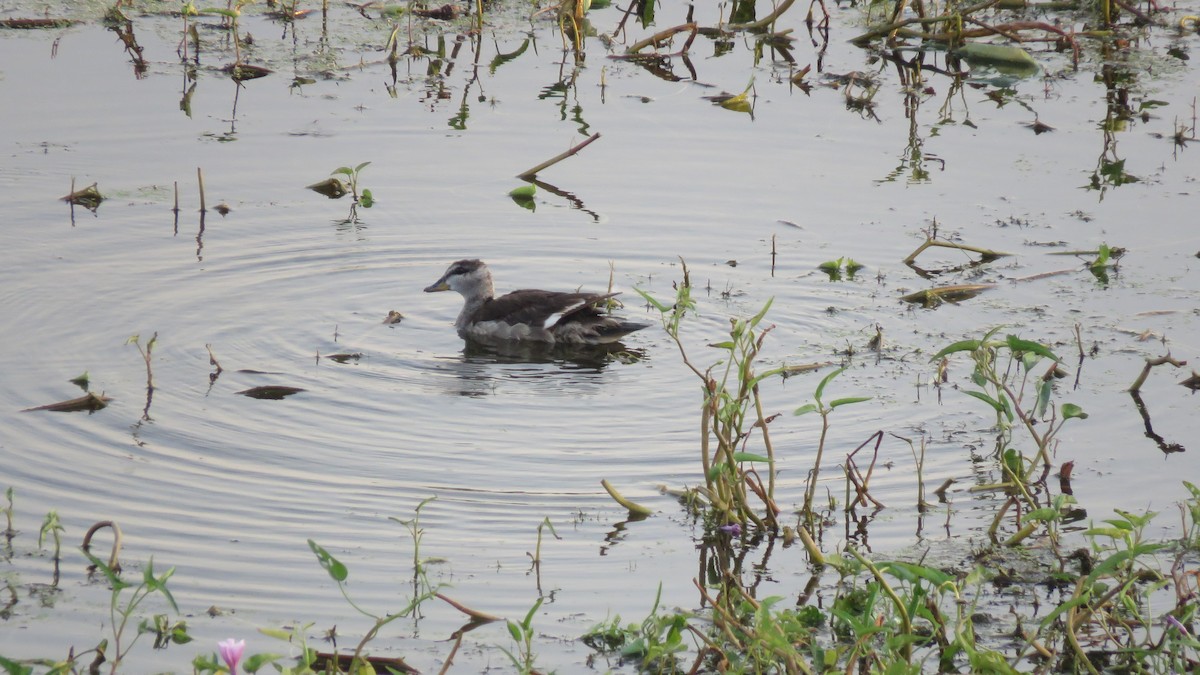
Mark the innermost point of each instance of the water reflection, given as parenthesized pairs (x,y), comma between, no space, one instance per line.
(480,369)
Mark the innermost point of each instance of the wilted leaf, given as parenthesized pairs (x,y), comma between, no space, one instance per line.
(330,187)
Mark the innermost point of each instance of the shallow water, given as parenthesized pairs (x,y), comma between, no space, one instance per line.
(228,489)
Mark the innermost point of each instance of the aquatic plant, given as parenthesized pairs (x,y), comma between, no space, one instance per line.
(121,612)
(731,413)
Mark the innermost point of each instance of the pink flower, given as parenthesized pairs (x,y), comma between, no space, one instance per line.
(231,652)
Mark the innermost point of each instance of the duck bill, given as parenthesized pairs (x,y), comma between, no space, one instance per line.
(441,285)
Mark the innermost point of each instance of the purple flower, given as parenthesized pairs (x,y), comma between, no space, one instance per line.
(1178,626)
(231,652)
(734,530)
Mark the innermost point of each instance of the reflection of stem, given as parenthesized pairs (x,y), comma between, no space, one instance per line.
(1162,443)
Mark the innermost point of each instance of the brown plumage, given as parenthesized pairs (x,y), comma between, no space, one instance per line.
(528,315)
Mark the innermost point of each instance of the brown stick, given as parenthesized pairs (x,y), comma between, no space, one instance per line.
(526,175)
(659,37)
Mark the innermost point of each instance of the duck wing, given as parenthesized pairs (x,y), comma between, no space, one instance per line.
(541,309)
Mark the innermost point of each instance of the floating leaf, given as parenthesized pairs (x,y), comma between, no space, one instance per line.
(89,197)
(272,392)
(1070,410)
(1005,58)
(240,72)
(523,192)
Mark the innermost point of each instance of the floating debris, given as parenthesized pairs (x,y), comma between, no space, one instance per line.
(89,197)
(240,72)
(932,297)
(89,401)
(31,24)
(344,357)
(272,392)
(393,317)
(1192,382)
(330,187)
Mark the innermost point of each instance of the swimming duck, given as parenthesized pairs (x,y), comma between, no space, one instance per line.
(529,315)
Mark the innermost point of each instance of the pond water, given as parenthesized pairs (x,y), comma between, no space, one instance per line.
(227,489)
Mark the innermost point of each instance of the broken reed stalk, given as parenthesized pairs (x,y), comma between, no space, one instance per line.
(527,175)
(634,509)
(660,36)
(114,562)
(200,180)
(176,209)
(929,243)
(1150,363)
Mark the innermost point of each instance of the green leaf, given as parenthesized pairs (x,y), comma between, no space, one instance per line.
(1043,398)
(805,409)
(277,633)
(960,346)
(1001,56)
(231,13)
(514,630)
(332,565)
(1016,344)
(830,265)
(362,166)
(529,615)
(1042,515)
(762,312)
(652,300)
(910,572)
(1070,410)
(523,192)
(986,399)
(749,457)
(848,400)
(345,170)
(118,584)
(256,661)
(14,668)
(826,380)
